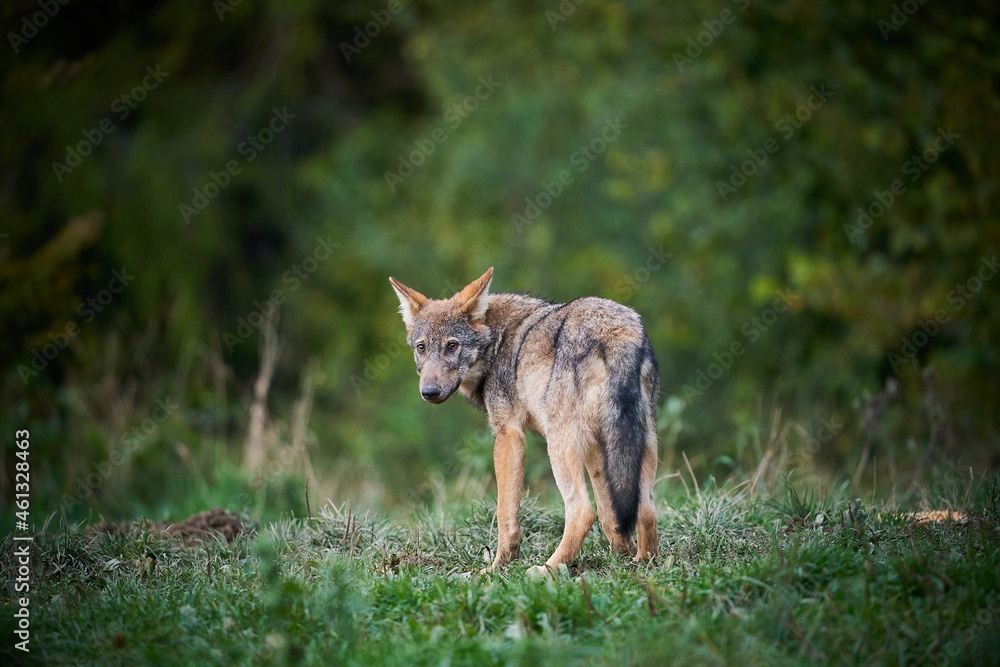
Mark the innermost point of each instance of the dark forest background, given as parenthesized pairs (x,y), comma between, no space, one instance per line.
(813,183)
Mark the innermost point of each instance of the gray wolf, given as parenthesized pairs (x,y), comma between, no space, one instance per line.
(582,374)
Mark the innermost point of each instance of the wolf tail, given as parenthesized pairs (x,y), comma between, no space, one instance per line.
(633,385)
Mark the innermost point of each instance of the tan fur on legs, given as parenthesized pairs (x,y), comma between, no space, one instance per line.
(508,461)
(568,469)
(646,524)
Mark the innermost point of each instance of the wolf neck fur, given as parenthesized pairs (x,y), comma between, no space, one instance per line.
(507,316)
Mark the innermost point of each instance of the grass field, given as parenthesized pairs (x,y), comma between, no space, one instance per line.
(743,578)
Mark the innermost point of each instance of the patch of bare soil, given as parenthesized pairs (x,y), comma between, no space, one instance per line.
(191,532)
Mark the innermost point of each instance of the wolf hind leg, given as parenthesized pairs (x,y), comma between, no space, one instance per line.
(646,516)
(568,468)
(646,520)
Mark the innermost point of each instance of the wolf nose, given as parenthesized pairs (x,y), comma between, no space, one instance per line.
(431,393)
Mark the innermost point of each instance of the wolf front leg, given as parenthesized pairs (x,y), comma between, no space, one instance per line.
(508,460)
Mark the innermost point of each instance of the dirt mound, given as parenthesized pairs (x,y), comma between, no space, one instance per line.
(192,531)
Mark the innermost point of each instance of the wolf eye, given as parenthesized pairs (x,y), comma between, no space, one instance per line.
(452,344)
(420,347)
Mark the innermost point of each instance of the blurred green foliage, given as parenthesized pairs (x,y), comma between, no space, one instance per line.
(818,106)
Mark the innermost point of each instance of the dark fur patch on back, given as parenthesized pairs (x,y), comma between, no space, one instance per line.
(527,332)
(555,339)
(555,353)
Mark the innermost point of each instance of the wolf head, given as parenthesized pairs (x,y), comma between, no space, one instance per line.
(449,337)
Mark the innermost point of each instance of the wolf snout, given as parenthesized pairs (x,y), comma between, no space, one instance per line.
(431,393)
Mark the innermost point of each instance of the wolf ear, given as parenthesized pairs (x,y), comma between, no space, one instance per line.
(410,301)
(475,297)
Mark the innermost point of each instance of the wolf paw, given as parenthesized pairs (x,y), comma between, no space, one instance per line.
(560,571)
(497,565)
(494,567)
